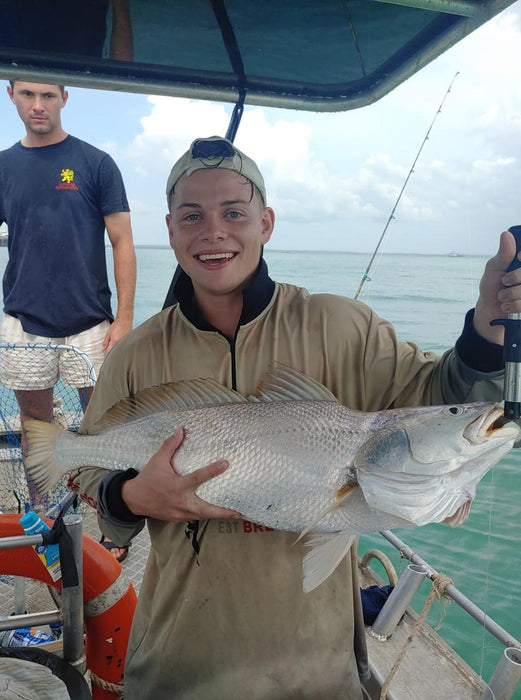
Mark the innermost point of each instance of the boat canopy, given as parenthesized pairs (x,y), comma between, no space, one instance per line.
(319,55)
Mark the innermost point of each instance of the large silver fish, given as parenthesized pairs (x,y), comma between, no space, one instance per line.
(299,460)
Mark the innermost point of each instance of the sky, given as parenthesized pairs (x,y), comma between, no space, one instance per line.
(333,179)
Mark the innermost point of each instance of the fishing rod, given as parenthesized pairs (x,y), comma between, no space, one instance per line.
(512,346)
(365,276)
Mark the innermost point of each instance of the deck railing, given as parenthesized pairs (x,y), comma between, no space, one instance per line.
(507,674)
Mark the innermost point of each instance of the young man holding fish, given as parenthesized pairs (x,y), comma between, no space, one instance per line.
(221,612)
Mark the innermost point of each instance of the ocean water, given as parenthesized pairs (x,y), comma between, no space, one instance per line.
(426,298)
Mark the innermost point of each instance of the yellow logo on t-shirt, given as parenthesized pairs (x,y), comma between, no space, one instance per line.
(67,180)
(67,175)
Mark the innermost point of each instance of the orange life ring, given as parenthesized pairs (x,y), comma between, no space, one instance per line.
(109,603)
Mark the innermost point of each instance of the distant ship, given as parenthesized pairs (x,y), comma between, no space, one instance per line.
(453,254)
(3,239)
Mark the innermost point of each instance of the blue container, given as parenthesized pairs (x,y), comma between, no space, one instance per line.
(24,637)
(49,554)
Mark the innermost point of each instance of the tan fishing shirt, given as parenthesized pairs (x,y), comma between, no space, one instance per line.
(233,623)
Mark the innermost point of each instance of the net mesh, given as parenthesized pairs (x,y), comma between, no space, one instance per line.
(15,495)
(14,492)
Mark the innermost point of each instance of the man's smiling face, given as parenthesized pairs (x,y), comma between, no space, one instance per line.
(217,225)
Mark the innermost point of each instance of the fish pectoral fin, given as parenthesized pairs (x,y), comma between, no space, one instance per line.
(460,515)
(40,461)
(327,552)
(344,493)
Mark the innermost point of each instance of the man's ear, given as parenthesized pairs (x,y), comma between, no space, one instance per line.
(168,219)
(268,223)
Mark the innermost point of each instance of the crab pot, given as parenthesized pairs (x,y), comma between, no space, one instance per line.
(395,606)
(506,676)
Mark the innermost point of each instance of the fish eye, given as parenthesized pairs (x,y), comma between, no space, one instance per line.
(455,410)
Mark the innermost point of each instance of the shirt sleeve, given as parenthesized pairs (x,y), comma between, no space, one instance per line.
(119,523)
(371,369)
(101,489)
(111,189)
(477,352)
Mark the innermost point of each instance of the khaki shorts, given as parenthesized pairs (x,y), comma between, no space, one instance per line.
(32,368)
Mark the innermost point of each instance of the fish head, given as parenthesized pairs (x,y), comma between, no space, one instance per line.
(427,462)
(441,436)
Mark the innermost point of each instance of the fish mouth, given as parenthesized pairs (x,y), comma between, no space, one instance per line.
(503,420)
(492,423)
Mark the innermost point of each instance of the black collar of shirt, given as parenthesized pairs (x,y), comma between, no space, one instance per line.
(256,296)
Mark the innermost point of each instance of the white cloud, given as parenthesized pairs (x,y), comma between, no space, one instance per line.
(488,166)
(343,172)
(169,127)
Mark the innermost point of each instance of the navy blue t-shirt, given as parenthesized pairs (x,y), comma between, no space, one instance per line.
(53,199)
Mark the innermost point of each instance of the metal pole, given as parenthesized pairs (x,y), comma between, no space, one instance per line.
(506,676)
(20,541)
(452,7)
(19,595)
(72,601)
(457,596)
(395,606)
(30,620)
(63,505)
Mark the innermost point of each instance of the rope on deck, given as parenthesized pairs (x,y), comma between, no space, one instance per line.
(116,688)
(438,587)
(384,561)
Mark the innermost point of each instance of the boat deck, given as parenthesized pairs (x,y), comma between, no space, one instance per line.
(429,669)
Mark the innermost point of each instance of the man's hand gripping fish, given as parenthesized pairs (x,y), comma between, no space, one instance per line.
(298,460)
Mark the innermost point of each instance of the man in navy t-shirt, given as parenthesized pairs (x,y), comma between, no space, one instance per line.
(58,195)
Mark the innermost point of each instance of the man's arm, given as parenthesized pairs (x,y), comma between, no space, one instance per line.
(120,235)
(121,41)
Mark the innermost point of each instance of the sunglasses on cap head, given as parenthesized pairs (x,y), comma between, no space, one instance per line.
(212,149)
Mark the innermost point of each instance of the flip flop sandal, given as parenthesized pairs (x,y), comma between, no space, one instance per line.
(108,544)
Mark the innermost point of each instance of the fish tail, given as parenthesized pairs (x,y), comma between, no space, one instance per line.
(40,461)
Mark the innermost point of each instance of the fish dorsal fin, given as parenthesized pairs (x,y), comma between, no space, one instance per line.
(285,384)
(193,393)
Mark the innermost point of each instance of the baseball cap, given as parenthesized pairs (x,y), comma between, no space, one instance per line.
(216,152)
